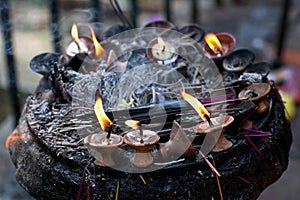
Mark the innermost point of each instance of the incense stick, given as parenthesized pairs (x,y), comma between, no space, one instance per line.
(209,164)
(246,118)
(219,184)
(143,179)
(117,191)
(257,131)
(254,146)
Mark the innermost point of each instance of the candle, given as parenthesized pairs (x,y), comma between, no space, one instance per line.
(83,44)
(212,126)
(161,52)
(80,44)
(99,51)
(105,123)
(197,106)
(104,144)
(219,45)
(136,125)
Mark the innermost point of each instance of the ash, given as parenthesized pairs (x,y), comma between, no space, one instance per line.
(252,77)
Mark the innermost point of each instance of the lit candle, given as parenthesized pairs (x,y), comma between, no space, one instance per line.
(83,44)
(105,123)
(161,52)
(213,126)
(142,141)
(219,45)
(197,106)
(136,125)
(99,50)
(103,144)
(80,44)
(214,43)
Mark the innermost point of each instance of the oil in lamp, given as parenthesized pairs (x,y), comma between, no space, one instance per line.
(103,145)
(257,93)
(218,45)
(238,60)
(161,52)
(142,141)
(214,127)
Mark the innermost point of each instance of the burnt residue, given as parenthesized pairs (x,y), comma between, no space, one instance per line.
(244,172)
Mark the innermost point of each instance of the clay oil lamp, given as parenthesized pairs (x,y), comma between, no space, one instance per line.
(78,44)
(178,145)
(219,45)
(161,52)
(257,93)
(83,44)
(262,68)
(193,31)
(238,60)
(142,141)
(42,63)
(103,145)
(212,127)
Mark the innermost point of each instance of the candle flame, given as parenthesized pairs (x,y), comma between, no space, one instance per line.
(104,121)
(161,43)
(74,34)
(133,123)
(99,50)
(213,42)
(197,105)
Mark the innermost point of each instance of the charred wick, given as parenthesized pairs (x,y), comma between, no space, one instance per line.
(208,119)
(141,133)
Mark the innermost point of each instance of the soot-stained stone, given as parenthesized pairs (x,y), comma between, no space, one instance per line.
(245,173)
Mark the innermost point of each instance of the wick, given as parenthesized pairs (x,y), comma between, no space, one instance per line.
(208,119)
(78,45)
(218,51)
(141,133)
(164,48)
(109,131)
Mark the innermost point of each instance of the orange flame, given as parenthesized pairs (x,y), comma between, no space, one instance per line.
(74,34)
(99,50)
(104,121)
(161,43)
(133,123)
(213,42)
(197,105)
